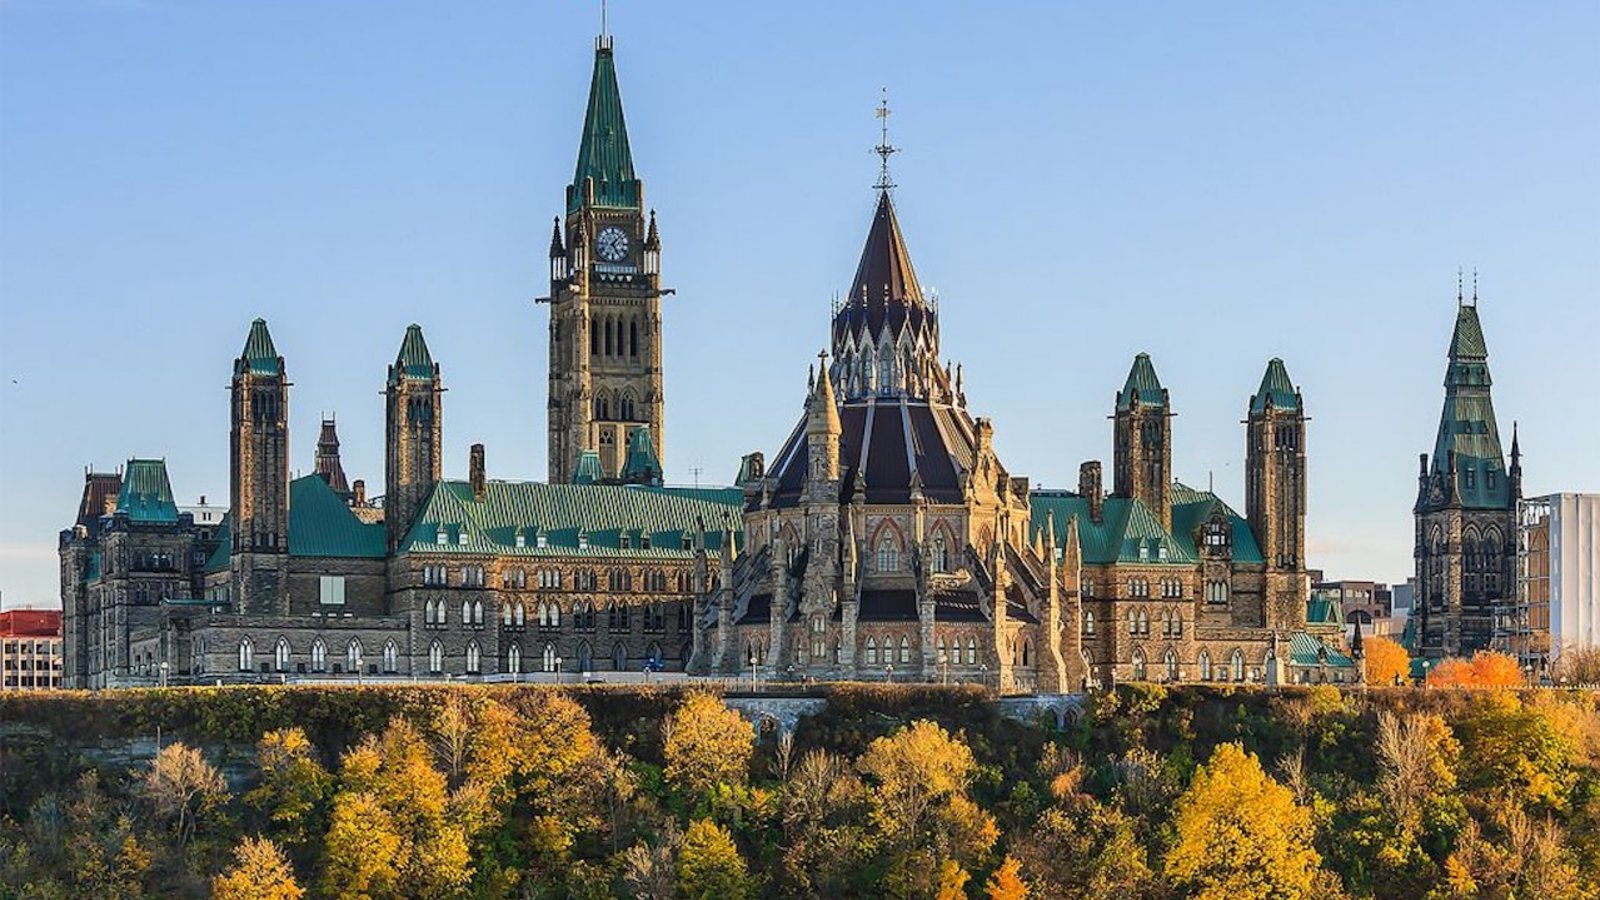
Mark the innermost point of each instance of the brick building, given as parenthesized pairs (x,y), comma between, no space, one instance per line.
(30,649)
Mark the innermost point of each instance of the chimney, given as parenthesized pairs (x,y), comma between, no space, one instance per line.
(475,472)
(358,493)
(1089,488)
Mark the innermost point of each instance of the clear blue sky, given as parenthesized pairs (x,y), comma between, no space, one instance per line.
(1214,183)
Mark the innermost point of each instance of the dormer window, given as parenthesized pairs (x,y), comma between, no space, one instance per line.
(443,535)
(542,539)
(461,536)
(1216,534)
(1469,477)
(644,541)
(626,541)
(583,540)
(522,539)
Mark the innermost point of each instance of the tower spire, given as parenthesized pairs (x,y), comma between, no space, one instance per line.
(884,148)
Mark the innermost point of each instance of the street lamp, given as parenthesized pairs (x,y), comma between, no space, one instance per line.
(163,673)
(752,670)
(983,675)
(1424,673)
(558,671)
(888,673)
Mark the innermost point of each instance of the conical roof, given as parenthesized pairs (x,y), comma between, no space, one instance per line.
(1468,433)
(259,356)
(1142,384)
(641,465)
(413,361)
(329,468)
(1467,342)
(1276,389)
(603,153)
(885,287)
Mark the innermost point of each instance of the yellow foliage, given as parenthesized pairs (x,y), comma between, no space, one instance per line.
(707,745)
(260,871)
(913,768)
(952,881)
(1387,662)
(1006,882)
(709,865)
(1240,835)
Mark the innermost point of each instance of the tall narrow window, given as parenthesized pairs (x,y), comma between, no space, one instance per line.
(474,658)
(280,655)
(391,658)
(888,556)
(247,655)
(319,656)
(514,660)
(352,655)
(436,658)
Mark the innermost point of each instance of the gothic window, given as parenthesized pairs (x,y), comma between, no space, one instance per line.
(352,655)
(655,618)
(1133,622)
(391,658)
(436,657)
(941,555)
(1236,665)
(886,374)
(518,615)
(548,659)
(619,657)
(319,656)
(602,408)
(872,651)
(247,655)
(633,338)
(280,655)
(585,657)
(474,658)
(1144,621)
(652,654)
(905,649)
(972,651)
(505,615)
(866,371)
(1088,622)
(617,618)
(685,617)
(1172,666)
(1217,592)
(944,657)
(1138,665)
(608,335)
(888,556)
(1177,624)
(1205,666)
(514,659)
(1027,653)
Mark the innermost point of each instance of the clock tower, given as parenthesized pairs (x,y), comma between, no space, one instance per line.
(605,305)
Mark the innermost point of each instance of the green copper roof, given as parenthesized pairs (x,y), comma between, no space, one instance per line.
(588,470)
(574,519)
(320,524)
(259,356)
(1143,384)
(1276,389)
(1324,609)
(218,560)
(1128,531)
(146,494)
(641,465)
(414,360)
(1303,651)
(1467,424)
(604,155)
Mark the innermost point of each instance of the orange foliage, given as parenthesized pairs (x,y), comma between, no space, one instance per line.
(1486,669)
(1387,662)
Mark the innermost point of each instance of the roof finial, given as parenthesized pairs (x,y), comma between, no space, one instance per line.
(884,148)
(603,42)
(1474,285)
(1460,297)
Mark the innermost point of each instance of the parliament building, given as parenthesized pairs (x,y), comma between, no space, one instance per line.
(884,540)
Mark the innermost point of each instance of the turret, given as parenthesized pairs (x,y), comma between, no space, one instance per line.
(822,427)
(1142,438)
(415,421)
(259,494)
(1275,469)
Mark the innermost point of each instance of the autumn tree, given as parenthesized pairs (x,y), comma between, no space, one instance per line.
(1486,669)
(707,744)
(1080,848)
(1006,882)
(1239,834)
(709,865)
(912,769)
(294,786)
(260,871)
(182,786)
(1387,662)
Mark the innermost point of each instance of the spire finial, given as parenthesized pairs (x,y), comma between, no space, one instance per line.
(1474,285)
(884,148)
(603,42)
(1460,296)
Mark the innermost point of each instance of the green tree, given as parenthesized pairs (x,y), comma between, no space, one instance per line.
(1240,835)
(260,871)
(707,744)
(709,865)
(294,787)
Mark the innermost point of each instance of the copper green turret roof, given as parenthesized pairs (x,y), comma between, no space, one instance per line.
(1276,389)
(588,470)
(259,356)
(641,465)
(1143,384)
(1467,428)
(603,154)
(414,360)
(146,494)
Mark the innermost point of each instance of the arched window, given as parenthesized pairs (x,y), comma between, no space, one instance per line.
(436,658)
(1088,623)
(548,662)
(1205,666)
(427,613)
(1144,621)
(866,370)
(1138,665)
(585,657)
(619,657)
(474,658)
(941,555)
(352,655)
(886,373)
(888,555)
(972,651)
(1172,665)
(477,612)
(1236,665)
(1133,622)
(872,651)
(1027,653)
(943,657)
(905,649)
(391,658)
(1217,592)
(514,659)
(319,656)
(1177,623)
(505,615)
(247,655)
(280,655)
(652,654)
(519,615)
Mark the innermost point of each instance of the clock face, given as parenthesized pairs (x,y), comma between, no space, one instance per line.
(612,244)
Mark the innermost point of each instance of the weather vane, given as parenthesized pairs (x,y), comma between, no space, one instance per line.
(884,148)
